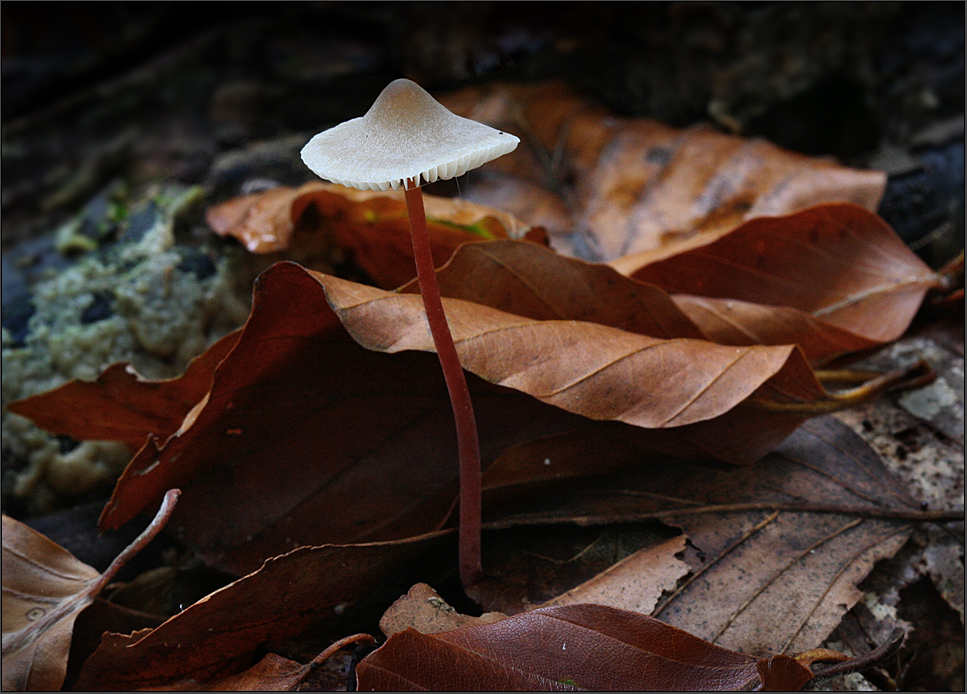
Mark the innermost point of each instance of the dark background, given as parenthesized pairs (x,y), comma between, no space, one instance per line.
(93,92)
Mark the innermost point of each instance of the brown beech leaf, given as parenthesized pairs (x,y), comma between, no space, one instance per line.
(734,322)
(217,637)
(590,369)
(44,590)
(320,220)
(528,280)
(566,648)
(636,184)
(779,546)
(306,438)
(535,282)
(840,266)
(122,406)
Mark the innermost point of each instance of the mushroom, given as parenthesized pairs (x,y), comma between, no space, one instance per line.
(405,138)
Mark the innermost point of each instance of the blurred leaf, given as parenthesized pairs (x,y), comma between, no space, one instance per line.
(423,609)
(121,405)
(635,184)
(272,673)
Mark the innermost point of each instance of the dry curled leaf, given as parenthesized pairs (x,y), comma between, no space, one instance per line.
(44,590)
(590,369)
(532,281)
(535,282)
(328,221)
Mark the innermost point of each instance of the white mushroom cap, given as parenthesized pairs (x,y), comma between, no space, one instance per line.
(405,134)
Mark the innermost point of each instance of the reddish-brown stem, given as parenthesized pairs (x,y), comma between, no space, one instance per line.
(467,444)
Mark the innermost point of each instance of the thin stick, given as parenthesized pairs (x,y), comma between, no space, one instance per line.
(141,541)
(467,443)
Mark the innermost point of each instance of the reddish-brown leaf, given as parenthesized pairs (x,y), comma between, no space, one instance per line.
(528,280)
(325,220)
(636,184)
(566,648)
(307,438)
(301,420)
(218,636)
(734,322)
(839,265)
(121,405)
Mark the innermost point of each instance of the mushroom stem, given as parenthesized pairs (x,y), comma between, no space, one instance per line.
(467,443)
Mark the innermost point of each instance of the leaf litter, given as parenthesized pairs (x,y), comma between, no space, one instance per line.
(179,420)
(791,535)
(295,352)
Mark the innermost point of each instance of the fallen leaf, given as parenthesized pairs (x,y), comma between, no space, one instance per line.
(391,474)
(585,368)
(635,583)
(44,590)
(779,546)
(307,589)
(839,265)
(329,220)
(396,460)
(423,609)
(535,282)
(566,648)
(395,463)
(636,184)
(271,674)
(121,405)
(97,618)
